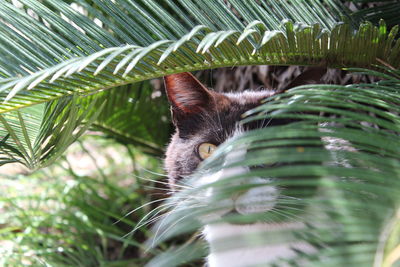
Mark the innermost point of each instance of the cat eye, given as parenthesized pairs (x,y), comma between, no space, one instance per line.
(206,149)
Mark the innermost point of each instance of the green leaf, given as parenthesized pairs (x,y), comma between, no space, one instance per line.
(135,115)
(337,166)
(51,50)
(118,66)
(36,136)
(68,50)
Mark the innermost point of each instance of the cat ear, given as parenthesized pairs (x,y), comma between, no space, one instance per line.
(186,94)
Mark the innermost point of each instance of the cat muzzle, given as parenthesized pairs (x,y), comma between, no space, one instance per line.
(241,193)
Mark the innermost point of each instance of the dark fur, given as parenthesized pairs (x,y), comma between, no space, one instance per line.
(201,116)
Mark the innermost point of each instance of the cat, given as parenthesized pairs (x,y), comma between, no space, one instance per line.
(203,120)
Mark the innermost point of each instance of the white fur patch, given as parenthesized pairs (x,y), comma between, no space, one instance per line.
(250,254)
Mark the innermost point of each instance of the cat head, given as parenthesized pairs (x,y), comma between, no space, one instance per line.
(203,120)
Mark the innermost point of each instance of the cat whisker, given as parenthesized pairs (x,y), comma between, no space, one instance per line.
(263,122)
(155,217)
(289,200)
(299,205)
(288,208)
(159,182)
(160,194)
(163,207)
(158,188)
(267,218)
(175,211)
(140,207)
(156,237)
(269,121)
(287,215)
(184,183)
(155,173)
(149,215)
(290,197)
(183,205)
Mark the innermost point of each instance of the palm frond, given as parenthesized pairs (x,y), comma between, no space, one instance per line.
(181,255)
(37,135)
(203,48)
(134,115)
(58,48)
(52,49)
(337,164)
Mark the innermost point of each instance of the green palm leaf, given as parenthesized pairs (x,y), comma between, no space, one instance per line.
(338,165)
(52,69)
(113,67)
(51,49)
(37,135)
(133,115)
(203,48)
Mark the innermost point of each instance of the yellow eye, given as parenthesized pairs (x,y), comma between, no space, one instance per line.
(206,149)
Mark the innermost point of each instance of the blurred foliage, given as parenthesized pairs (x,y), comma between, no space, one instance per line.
(71,213)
